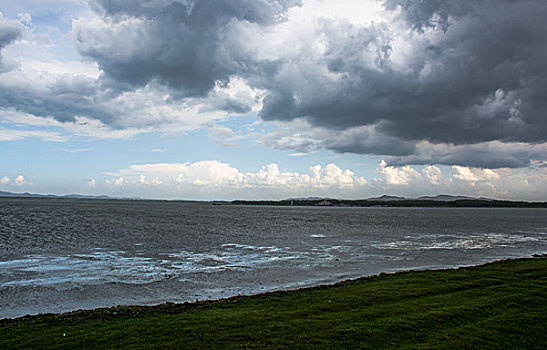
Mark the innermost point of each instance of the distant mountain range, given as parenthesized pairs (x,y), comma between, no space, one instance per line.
(440,197)
(439,201)
(34,195)
(385,198)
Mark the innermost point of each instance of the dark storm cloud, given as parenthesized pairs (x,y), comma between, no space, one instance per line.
(368,142)
(475,73)
(63,100)
(9,32)
(488,155)
(178,44)
(181,44)
(482,78)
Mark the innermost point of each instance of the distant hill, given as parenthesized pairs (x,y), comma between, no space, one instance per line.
(35,195)
(438,201)
(439,197)
(447,198)
(83,196)
(26,194)
(387,198)
(441,200)
(309,199)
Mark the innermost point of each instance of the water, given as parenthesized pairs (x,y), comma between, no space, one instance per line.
(61,255)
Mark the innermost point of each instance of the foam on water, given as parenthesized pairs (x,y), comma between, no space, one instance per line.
(103,266)
(441,241)
(117,266)
(90,268)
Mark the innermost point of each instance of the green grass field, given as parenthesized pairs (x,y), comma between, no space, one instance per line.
(501,305)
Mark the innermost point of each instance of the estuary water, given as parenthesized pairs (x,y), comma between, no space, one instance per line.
(60,255)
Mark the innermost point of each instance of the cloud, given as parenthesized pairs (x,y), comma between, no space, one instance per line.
(397,176)
(297,141)
(20,181)
(500,183)
(10,31)
(142,111)
(91,183)
(302,137)
(223,136)
(78,94)
(212,173)
(117,182)
(70,99)
(77,150)
(419,82)
(182,44)
(317,177)
(212,179)
(147,182)
(433,174)
(207,173)
(432,91)
(473,175)
(493,154)
(454,73)
(15,134)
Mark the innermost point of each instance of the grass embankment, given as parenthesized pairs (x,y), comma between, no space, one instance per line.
(501,305)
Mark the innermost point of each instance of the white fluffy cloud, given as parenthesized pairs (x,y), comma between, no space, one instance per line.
(212,173)
(116,182)
(398,175)
(208,173)
(212,179)
(433,174)
(475,174)
(317,177)
(19,181)
(500,183)
(4,180)
(91,183)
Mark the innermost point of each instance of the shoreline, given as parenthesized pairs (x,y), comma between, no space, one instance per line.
(502,304)
(189,305)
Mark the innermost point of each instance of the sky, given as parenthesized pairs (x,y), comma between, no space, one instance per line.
(273,99)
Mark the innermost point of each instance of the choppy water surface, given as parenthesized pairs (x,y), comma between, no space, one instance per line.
(60,255)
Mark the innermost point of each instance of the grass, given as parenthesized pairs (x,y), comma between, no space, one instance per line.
(501,305)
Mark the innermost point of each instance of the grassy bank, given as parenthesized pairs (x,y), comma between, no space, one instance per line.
(501,305)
